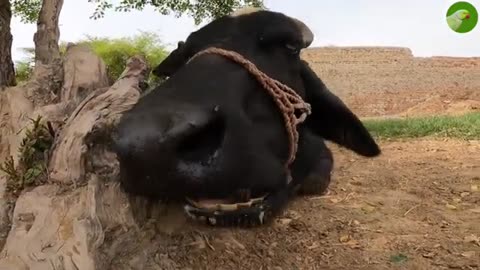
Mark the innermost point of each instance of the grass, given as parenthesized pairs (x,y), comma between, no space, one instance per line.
(466,126)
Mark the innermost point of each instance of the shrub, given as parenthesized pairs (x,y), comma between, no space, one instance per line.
(23,69)
(113,51)
(466,126)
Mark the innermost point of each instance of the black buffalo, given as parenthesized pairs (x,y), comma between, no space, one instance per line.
(212,132)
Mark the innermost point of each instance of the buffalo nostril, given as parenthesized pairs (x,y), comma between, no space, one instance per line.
(202,140)
(186,127)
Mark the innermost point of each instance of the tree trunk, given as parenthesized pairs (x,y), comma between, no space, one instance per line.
(7,71)
(48,69)
(48,33)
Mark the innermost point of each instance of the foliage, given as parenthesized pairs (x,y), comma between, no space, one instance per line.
(26,10)
(466,126)
(198,10)
(23,70)
(32,158)
(116,51)
(113,51)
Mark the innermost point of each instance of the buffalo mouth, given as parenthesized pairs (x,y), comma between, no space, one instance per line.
(232,203)
(228,212)
(240,209)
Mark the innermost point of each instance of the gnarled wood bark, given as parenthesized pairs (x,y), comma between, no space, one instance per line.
(16,108)
(48,33)
(85,226)
(89,225)
(68,162)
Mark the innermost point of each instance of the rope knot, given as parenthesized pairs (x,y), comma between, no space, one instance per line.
(287,100)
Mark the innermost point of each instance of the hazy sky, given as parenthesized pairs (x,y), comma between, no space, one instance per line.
(417,24)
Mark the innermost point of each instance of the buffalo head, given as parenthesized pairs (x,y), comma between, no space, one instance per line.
(212,133)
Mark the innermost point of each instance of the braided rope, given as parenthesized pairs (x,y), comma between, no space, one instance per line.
(287,100)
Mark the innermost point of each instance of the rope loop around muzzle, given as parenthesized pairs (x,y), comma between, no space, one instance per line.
(287,100)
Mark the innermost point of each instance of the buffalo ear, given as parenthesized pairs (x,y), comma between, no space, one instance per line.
(172,62)
(282,29)
(332,119)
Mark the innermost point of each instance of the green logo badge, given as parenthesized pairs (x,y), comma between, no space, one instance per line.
(462,17)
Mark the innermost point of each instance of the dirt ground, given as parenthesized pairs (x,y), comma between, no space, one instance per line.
(415,207)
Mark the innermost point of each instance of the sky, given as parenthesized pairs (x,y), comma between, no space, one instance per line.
(417,24)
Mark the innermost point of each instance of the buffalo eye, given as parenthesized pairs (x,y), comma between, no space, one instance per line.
(292,49)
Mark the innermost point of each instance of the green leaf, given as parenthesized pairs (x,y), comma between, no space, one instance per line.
(26,10)
(199,10)
(398,258)
(31,174)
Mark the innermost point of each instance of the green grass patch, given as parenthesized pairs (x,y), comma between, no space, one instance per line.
(466,126)
(31,169)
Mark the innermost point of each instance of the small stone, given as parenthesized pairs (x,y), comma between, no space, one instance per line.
(335,200)
(314,246)
(468,254)
(464,194)
(344,238)
(271,253)
(285,221)
(429,255)
(451,207)
(368,208)
(353,244)
(474,188)
(472,239)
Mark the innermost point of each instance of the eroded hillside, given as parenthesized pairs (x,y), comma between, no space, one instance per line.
(382,81)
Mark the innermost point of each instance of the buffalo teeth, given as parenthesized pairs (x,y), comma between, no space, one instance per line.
(212,220)
(261,216)
(224,206)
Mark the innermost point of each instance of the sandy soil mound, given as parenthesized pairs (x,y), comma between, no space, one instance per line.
(379,81)
(439,106)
